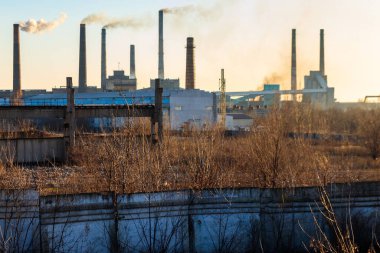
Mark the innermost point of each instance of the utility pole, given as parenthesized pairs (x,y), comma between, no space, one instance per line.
(222,98)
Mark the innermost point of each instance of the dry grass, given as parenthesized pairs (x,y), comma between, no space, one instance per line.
(125,161)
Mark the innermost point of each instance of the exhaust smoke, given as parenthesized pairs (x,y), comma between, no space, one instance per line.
(40,26)
(110,22)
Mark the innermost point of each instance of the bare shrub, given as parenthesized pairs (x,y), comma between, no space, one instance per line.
(370,132)
(351,233)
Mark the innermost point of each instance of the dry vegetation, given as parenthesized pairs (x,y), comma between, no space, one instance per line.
(293,146)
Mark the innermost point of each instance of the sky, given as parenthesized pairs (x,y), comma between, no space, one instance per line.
(250,39)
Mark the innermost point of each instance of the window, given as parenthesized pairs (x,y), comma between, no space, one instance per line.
(178,108)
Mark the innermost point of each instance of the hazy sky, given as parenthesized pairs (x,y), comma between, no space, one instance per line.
(251,39)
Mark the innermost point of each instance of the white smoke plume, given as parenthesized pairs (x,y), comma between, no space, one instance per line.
(40,26)
(187,9)
(97,18)
(126,22)
(110,22)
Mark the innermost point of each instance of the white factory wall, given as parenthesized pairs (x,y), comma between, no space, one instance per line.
(229,123)
(236,124)
(192,106)
(242,123)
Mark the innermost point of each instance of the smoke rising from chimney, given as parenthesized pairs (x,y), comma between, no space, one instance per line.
(97,18)
(275,78)
(40,26)
(186,9)
(110,22)
(200,10)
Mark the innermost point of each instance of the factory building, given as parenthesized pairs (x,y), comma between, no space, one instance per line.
(238,122)
(272,99)
(120,82)
(180,107)
(315,81)
(191,107)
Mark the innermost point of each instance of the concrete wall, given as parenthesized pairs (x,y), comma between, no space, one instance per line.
(32,150)
(229,220)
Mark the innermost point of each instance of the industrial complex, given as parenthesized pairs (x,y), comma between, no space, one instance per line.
(181,106)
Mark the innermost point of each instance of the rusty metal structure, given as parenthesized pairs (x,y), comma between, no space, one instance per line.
(71,112)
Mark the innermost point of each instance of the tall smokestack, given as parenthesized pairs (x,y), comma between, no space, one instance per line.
(190,73)
(132,63)
(322,53)
(161,74)
(82,60)
(104,60)
(294,62)
(16,61)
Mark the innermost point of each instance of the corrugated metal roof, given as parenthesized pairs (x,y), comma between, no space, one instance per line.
(144,96)
(122,94)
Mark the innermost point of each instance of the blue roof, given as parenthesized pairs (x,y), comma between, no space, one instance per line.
(143,96)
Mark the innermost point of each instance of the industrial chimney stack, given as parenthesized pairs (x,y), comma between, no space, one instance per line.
(190,71)
(104,60)
(294,63)
(82,60)
(322,53)
(132,63)
(16,62)
(161,74)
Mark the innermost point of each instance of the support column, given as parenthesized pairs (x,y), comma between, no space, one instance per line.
(158,114)
(158,109)
(69,124)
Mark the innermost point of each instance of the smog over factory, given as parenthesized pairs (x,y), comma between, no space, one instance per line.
(248,49)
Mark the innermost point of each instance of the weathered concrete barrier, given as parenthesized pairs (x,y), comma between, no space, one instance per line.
(219,220)
(32,150)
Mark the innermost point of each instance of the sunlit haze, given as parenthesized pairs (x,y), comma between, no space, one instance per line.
(250,39)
